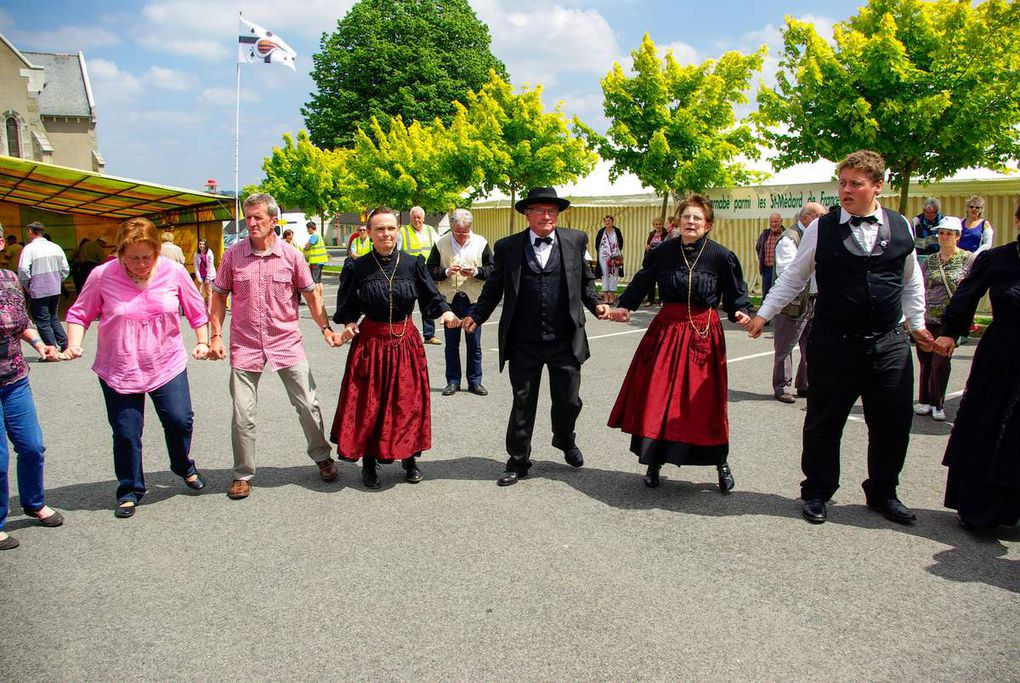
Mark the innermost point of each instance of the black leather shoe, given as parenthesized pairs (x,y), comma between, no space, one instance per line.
(369,474)
(508,478)
(652,476)
(893,510)
(9,543)
(411,472)
(573,457)
(478,390)
(124,511)
(197,483)
(726,481)
(56,519)
(814,511)
(451,389)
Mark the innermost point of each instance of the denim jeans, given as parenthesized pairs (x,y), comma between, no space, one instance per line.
(21,426)
(428,328)
(47,319)
(461,306)
(126,413)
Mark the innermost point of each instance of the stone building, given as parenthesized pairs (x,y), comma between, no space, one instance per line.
(47,112)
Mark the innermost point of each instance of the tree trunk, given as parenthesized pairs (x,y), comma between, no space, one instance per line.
(665,205)
(513,211)
(905,187)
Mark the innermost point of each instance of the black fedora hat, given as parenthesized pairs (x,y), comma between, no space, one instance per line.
(541,195)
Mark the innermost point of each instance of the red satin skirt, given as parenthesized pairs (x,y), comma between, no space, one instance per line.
(384,408)
(675,389)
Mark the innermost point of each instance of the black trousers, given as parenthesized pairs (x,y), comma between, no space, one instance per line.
(527,359)
(842,369)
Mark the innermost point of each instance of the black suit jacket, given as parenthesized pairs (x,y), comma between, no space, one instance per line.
(505,279)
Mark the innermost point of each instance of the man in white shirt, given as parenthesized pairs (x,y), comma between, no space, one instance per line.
(869,281)
(42,270)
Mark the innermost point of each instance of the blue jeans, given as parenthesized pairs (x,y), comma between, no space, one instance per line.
(428,328)
(47,319)
(767,276)
(21,426)
(126,413)
(461,306)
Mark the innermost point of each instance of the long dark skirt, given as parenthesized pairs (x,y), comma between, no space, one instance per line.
(673,400)
(384,408)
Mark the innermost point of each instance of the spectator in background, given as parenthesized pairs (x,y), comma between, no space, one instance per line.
(766,250)
(360,243)
(317,256)
(977,232)
(656,237)
(609,266)
(417,239)
(205,269)
(12,254)
(926,225)
(42,270)
(169,250)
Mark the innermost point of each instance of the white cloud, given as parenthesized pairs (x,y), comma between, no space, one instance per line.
(169,79)
(539,44)
(111,83)
(683,53)
(67,39)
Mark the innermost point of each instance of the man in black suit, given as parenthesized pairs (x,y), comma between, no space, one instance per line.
(542,276)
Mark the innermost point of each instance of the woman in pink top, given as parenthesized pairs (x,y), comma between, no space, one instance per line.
(205,269)
(138,298)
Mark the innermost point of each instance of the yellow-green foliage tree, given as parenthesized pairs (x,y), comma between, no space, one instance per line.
(932,86)
(674,126)
(515,142)
(302,176)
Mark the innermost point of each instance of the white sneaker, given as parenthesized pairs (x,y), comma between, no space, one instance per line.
(938,414)
(922,409)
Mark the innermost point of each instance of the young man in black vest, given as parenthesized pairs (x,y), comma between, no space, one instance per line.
(869,283)
(545,284)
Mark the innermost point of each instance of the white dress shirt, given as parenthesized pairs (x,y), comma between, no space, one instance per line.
(795,276)
(543,250)
(786,251)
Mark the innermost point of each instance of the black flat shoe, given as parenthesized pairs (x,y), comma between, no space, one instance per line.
(197,483)
(814,510)
(508,478)
(56,519)
(574,457)
(726,481)
(451,389)
(369,473)
(478,390)
(652,476)
(124,511)
(893,510)
(9,543)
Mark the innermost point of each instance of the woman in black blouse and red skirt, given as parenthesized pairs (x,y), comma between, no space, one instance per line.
(384,412)
(673,400)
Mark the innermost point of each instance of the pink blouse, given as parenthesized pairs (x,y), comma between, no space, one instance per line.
(139,346)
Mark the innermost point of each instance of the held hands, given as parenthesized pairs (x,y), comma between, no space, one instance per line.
(753,326)
(201,351)
(332,338)
(350,332)
(743,319)
(602,311)
(450,320)
(618,315)
(924,339)
(52,353)
(216,349)
(944,346)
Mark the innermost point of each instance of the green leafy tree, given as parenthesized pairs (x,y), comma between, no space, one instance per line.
(302,176)
(932,86)
(389,57)
(674,126)
(515,142)
(404,166)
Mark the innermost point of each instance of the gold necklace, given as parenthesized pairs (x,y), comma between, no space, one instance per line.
(690,284)
(389,281)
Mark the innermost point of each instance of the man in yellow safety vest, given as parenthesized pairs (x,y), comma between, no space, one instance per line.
(316,255)
(417,239)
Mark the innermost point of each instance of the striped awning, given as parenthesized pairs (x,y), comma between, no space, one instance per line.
(72,190)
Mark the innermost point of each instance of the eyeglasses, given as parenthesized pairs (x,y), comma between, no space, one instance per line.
(973,206)
(544,212)
(692,217)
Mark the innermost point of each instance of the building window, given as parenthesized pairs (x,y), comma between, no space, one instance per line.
(13,137)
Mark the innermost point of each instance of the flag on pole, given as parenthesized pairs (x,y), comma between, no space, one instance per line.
(256,44)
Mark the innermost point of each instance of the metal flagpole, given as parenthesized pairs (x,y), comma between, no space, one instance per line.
(237,148)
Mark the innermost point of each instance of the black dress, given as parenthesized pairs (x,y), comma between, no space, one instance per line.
(983,454)
(384,409)
(674,399)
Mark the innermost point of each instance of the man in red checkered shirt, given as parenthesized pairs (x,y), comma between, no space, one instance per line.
(261,274)
(766,248)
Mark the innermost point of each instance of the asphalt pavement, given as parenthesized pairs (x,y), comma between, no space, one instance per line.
(569,575)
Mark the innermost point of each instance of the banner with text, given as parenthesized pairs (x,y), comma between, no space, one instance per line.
(759,202)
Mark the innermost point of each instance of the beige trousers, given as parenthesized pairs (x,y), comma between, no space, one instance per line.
(300,386)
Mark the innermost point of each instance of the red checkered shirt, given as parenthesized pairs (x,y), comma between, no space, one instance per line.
(769,255)
(263,310)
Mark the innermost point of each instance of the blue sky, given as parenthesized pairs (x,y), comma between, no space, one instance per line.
(163,74)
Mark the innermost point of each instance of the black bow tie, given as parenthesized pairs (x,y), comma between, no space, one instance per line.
(857,220)
(543,240)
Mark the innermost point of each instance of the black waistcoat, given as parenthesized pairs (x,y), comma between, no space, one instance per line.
(860,293)
(543,311)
